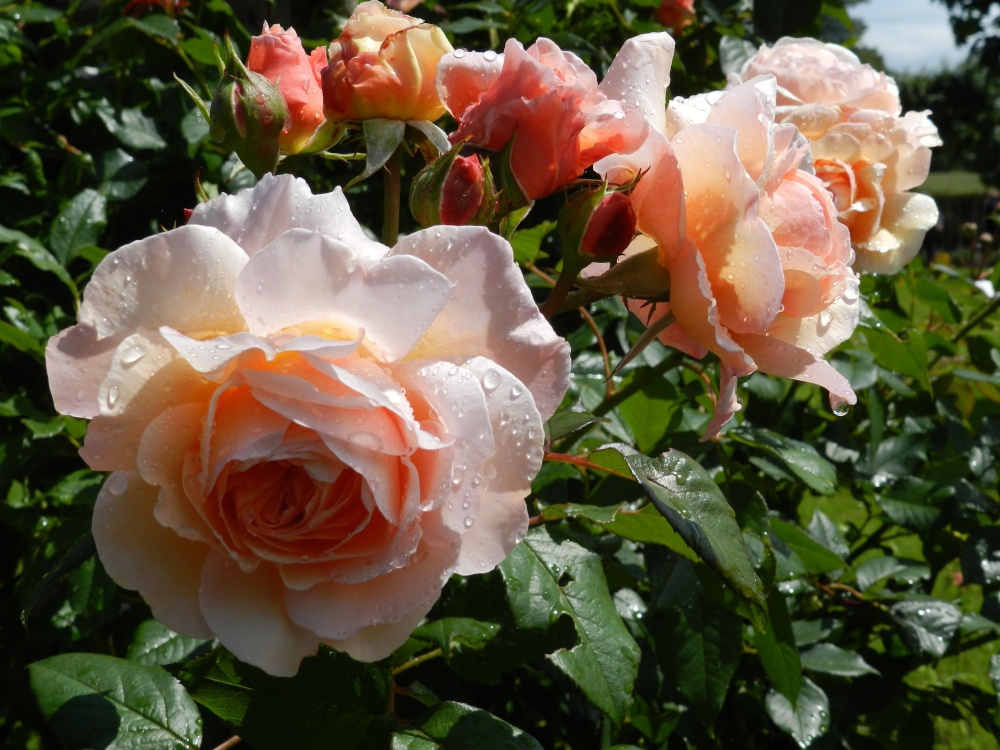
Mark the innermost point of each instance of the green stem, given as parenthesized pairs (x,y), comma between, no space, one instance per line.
(641,379)
(984,312)
(559,292)
(432,654)
(391,186)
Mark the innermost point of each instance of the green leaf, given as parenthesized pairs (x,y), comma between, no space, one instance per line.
(801,458)
(101,701)
(698,639)
(816,558)
(638,276)
(34,252)
(927,626)
(20,340)
(331,696)
(805,720)
(652,414)
(912,502)
(830,659)
(565,423)
(80,223)
(894,457)
(133,129)
(527,243)
(121,175)
(457,726)
(155,644)
(157,25)
(697,510)
(455,634)
(548,578)
(981,557)
(908,358)
(777,650)
(382,138)
(413,740)
(876,569)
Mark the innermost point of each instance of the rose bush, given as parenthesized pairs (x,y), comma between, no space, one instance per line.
(549,99)
(383,66)
(867,152)
(309,432)
(278,55)
(759,266)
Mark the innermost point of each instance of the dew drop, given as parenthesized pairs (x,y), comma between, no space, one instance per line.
(840,408)
(491,379)
(132,355)
(469,520)
(117,484)
(489,55)
(459,53)
(516,392)
(113,394)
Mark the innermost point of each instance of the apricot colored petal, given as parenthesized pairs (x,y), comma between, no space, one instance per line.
(640,74)
(309,277)
(905,219)
(463,77)
(145,378)
(726,405)
(246,612)
(379,641)
(183,278)
(821,332)
(502,523)
(749,108)
(777,357)
(337,611)
(697,312)
(140,554)
(255,218)
(721,205)
(490,313)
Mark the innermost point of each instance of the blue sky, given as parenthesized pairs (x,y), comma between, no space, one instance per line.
(912,35)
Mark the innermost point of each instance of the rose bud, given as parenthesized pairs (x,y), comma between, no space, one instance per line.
(596,224)
(453,190)
(278,55)
(676,14)
(248,114)
(383,66)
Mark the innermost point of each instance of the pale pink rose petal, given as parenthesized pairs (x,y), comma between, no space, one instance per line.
(737,249)
(490,312)
(335,611)
(246,612)
(463,77)
(780,358)
(311,278)
(142,555)
(640,74)
(255,218)
(143,379)
(906,218)
(182,278)
(379,641)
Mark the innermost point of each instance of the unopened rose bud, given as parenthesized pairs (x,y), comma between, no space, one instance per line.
(596,224)
(454,190)
(248,114)
(968,230)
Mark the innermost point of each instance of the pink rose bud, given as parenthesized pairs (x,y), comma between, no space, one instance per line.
(453,190)
(676,14)
(595,225)
(383,66)
(611,228)
(248,114)
(278,55)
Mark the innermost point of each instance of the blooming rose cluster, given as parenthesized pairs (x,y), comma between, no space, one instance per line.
(309,432)
(867,152)
(759,265)
(295,460)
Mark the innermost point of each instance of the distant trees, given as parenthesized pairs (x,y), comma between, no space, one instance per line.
(981,19)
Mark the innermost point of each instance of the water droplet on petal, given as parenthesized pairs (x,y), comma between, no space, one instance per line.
(489,55)
(113,394)
(840,408)
(132,355)
(491,379)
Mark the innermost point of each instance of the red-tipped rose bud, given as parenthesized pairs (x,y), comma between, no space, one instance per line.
(248,114)
(596,225)
(611,228)
(453,190)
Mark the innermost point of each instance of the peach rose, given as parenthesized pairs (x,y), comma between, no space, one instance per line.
(676,14)
(278,56)
(563,120)
(295,460)
(758,263)
(868,154)
(383,66)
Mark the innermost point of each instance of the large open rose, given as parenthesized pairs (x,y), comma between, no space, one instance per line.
(868,154)
(309,432)
(759,265)
(549,99)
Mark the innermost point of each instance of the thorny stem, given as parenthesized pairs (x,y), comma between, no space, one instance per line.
(231,742)
(641,379)
(391,186)
(417,660)
(609,386)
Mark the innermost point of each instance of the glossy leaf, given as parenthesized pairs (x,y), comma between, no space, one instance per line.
(547,578)
(927,626)
(830,659)
(155,644)
(801,458)
(457,726)
(100,701)
(807,719)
